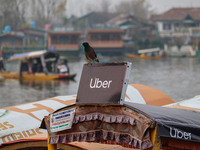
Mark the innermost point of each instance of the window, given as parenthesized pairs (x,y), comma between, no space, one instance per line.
(54,39)
(167,26)
(75,39)
(105,37)
(116,37)
(95,37)
(63,39)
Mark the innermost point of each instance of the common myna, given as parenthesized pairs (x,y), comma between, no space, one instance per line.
(89,53)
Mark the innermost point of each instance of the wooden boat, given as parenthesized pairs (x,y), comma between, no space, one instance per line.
(21,122)
(23,132)
(37,65)
(153,53)
(37,76)
(132,125)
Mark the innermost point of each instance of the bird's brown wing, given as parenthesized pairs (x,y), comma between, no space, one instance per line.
(92,54)
(87,55)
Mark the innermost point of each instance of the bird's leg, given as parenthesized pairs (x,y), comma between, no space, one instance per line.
(92,61)
(89,62)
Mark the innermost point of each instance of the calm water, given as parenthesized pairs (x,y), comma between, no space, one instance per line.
(177,77)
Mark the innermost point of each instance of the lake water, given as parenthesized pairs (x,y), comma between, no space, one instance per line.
(177,77)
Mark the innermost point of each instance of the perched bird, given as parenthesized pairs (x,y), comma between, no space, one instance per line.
(89,52)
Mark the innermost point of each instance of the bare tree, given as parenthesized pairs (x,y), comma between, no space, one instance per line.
(18,13)
(47,11)
(139,8)
(105,6)
(12,13)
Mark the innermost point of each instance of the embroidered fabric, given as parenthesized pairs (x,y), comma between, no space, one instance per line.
(105,118)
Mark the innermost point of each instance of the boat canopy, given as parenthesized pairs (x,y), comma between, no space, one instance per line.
(191,104)
(20,56)
(172,122)
(142,51)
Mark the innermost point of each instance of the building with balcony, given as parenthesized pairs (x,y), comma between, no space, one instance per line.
(178,22)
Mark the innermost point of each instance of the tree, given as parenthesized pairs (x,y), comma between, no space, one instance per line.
(47,11)
(12,13)
(105,6)
(19,12)
(138,8)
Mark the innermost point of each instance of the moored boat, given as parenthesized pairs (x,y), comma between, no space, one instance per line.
(153,53)
(21,122)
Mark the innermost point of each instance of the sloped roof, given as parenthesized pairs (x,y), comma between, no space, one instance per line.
(98,17)
(179,14)
(121,19)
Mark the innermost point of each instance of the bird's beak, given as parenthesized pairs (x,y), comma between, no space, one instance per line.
(81,44)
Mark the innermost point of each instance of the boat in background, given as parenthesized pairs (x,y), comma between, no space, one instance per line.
(153,53)
(39,65)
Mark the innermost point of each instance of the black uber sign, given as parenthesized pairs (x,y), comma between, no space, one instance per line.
(104,83)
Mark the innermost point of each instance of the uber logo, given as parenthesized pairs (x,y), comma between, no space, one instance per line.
(175,133)
(97,83)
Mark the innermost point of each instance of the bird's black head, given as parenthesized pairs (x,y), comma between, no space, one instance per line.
(85,44)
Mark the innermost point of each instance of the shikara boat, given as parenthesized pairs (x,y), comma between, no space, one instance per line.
(153,53)
(21,123)
(146,126)
(131,125)
(37,65)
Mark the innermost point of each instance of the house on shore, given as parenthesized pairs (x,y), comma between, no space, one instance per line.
(106,41)
(64,42)
(178,22)
(136,31)
(177,26)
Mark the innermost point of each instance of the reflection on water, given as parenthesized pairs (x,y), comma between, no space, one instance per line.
(49,86)
(13,92)
(177,77)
